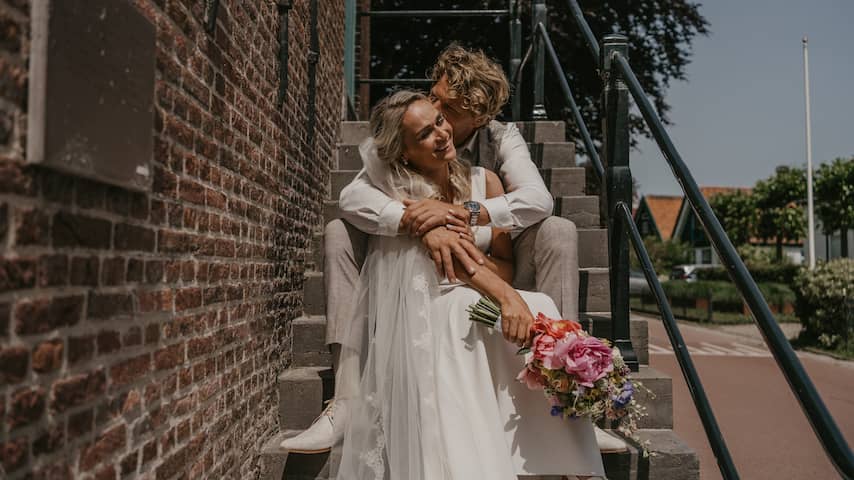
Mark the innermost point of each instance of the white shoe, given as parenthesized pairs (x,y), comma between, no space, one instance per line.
(609,443)
(320,436)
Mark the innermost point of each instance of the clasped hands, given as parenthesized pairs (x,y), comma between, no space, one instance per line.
(445,232)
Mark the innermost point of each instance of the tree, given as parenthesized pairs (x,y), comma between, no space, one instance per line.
(834,198)
(779,201)
(660,36)
(737,213)
(665,254)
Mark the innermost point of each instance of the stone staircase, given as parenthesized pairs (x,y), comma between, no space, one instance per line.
(309,382)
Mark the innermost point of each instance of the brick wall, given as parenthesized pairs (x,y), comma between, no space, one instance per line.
(141,334)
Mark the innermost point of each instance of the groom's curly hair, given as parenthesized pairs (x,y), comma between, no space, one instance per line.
(475,78)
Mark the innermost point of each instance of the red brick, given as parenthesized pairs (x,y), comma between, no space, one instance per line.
(25,407)
(149,451)
(135,270)
(80,348)
(107,444)
(200,346)
(132,337)
(90,194)
(76,390)
(44,315)
(215,199)
(13,454)
(32,227)
(106,305)
(49,441)
(154,271)
(169,357)
(13,179)
(129,463)
(5,314)
(13,364)
(130,370)
(152,333)
(134,238)
(84,271)
(108,341)
(80,423)
(113,271)
(53,271)
(17,273)
(71,230)
(107,472)
(192,192)
(187,298)
(154,301)
(47,356)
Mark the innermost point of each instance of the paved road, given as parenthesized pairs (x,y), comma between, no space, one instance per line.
(768,436)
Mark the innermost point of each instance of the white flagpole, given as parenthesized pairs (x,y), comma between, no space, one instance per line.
(810,221)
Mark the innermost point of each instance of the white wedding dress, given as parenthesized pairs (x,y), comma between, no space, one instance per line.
(438,397)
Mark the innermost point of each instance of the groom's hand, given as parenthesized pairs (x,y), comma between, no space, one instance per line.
(445,246)
(424,215)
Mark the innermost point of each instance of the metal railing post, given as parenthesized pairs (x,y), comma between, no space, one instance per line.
(515,56)
(539,15)
(618,190)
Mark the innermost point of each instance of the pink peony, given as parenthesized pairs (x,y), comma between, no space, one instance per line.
(543,346)
(586,358)
(531,377)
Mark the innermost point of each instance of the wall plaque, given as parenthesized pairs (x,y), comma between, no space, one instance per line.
(91,91)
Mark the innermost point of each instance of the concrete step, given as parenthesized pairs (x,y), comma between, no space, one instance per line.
(658,401)
(302,391)
(583,210)
(670,458)
(601,326)
(543,131)
(348,157)
(564,181)
(278,464)
(592,247)
(594,292)
(309,342)
(553,154)
(314,294)
(540,131)
(314,258)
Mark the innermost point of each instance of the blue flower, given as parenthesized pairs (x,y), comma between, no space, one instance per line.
(625,396)
(557,411)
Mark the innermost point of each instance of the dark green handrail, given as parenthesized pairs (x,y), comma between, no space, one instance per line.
(683,357)
(811,403)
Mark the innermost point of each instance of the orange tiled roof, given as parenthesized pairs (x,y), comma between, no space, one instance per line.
(709,192)
(665,212)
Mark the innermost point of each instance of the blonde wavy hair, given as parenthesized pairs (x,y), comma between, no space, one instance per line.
(475,78)
(387,129)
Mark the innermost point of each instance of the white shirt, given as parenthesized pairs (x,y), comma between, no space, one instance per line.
(526,202)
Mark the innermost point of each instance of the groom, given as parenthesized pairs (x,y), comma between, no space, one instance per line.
(470,90)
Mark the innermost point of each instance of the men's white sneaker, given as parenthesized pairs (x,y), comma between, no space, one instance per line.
(609,443)
(320,436)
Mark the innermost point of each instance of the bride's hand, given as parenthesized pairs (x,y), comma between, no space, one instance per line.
(464,232)
(424,215)
(445,246)
(516,319)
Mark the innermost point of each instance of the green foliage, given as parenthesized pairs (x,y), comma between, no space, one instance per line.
(737,213)
(825,303)
(779,200)
(660,36)
(664,254)
(834,195)
(782,273)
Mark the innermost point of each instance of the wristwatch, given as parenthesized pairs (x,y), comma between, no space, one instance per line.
(474,212)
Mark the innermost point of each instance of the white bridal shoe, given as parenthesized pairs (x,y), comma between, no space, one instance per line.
(320,436)
(609,443)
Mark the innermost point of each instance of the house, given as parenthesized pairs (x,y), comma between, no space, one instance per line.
(672,218)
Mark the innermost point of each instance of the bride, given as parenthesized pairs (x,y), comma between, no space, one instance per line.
(437,396)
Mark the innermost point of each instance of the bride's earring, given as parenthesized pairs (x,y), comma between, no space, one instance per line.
(405,161)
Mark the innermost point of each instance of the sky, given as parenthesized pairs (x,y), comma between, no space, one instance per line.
(741,111)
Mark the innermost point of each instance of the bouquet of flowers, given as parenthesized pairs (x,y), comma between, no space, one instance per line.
(579,374)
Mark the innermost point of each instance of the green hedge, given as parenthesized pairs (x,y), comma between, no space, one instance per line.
(725,296)
(825,303)
(785,274)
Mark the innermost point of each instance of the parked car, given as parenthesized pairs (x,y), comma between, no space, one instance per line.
(637,283)
(687,272)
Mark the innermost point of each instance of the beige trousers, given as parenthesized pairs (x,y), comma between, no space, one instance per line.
(545,254)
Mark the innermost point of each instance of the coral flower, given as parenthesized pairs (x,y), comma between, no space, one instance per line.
(556,328)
